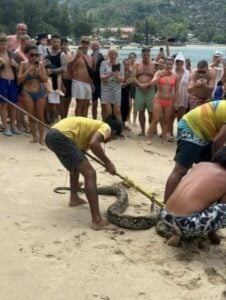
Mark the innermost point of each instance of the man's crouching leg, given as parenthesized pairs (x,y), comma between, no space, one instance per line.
(98,223)
(75,200)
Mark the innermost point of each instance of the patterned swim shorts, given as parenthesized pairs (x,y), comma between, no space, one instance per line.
(209,220)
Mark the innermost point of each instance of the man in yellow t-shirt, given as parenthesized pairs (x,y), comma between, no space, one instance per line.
(69,139)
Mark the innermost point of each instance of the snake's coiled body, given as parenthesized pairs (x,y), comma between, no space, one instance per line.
(115,211)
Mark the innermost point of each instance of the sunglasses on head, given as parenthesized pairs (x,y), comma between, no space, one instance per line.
(34,54)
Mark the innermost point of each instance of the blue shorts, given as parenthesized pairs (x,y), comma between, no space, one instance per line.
(209,220)
(67,152)
(9,90)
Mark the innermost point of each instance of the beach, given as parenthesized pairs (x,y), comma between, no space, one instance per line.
(48,250)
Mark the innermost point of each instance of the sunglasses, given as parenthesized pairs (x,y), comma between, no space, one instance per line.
(85,42)
(34,54)
(202,72)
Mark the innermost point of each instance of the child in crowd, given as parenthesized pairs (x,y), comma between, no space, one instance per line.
(43,51)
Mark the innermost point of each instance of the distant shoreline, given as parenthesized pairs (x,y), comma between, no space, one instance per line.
(205,45)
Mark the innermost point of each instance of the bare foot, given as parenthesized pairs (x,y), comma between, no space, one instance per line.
(102,225)
(41,142)
(214,238)
(174,240)
(149,142)
(76,200)
(34,140)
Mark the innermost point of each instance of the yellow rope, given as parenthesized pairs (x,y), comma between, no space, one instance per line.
(131,183)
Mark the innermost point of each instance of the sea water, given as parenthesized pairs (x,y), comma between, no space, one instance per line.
(195,53)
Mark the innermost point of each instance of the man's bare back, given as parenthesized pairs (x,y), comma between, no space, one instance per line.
(202,186)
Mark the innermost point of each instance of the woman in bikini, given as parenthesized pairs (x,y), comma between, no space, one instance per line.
(32,75)
(165,99)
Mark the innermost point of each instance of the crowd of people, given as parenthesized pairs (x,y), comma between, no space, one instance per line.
(42,76)
(45,75)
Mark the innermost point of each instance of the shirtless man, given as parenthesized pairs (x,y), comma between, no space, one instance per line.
(201,84)
(143,74)
(218,66)
(13,40)
(198,204)
(8,87)
(81,79)
(66,99)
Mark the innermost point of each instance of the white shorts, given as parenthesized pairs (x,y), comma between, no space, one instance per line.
(81,90)
(53,98)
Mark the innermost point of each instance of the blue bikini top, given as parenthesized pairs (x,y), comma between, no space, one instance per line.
(30,77)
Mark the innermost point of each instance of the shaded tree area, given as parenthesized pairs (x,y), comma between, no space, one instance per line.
(63,17)
(159,18)
(174,18)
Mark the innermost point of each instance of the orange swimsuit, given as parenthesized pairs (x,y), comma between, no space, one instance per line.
(162,81)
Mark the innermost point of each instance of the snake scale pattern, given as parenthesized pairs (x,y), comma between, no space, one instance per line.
(115,212)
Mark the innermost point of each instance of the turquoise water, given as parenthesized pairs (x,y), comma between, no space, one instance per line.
(195,53)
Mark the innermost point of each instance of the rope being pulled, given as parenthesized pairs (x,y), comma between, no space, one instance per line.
(130,182)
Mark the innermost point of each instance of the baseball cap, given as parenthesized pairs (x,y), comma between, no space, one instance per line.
(218,53)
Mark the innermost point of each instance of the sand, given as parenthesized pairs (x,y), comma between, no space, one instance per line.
(48,250)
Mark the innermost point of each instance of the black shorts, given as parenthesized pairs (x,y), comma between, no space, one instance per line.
(67,84)
(97,91)
(188,153)
(132,91)
(67,152)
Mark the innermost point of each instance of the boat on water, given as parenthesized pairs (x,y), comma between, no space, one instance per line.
(131,46)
